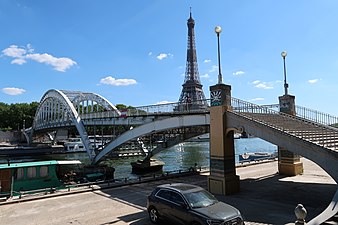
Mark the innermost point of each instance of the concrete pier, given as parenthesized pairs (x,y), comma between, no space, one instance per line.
(265,198)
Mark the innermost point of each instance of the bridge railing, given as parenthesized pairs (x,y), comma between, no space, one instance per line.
(316,116)
(195,107)
(248,107)
(301,112)
(95,115)
(175,107)
(168,108)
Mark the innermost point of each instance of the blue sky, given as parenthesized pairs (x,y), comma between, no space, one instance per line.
(134,52)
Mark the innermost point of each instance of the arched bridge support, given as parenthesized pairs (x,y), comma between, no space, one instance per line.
(154,127)
(222,179)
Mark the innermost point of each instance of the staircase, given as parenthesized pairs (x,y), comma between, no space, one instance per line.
(325,136)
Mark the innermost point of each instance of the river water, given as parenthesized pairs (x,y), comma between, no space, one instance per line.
(179,157)
(182,156)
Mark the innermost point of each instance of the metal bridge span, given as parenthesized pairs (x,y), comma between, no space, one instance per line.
(310,133)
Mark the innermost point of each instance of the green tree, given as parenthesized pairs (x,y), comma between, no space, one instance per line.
(14,116)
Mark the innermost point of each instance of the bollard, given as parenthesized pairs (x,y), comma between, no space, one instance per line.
(139,178)
(301,213)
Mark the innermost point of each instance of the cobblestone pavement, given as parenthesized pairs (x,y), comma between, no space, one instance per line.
(265,198)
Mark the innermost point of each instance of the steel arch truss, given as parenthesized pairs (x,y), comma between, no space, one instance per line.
(64,108)
(157,126)
(85,102)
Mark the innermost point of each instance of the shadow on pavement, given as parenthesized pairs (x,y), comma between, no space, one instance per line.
(266,200)
(272,200)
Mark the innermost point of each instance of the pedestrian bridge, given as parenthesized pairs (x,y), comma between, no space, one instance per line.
(310,133)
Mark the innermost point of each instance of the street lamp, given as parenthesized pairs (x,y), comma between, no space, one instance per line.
(284,54)
(218,30)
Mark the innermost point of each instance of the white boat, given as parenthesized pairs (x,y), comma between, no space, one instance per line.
(74,145)
(256,156)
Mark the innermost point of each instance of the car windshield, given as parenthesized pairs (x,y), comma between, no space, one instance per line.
(200,198)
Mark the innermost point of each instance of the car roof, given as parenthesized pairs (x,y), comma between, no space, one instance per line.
(181,187)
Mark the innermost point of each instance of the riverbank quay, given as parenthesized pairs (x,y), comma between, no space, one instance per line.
(265,198)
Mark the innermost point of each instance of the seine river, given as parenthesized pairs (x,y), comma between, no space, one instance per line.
(182,156)
(179,157)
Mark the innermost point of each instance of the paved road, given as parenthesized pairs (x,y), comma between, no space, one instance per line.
(265,198)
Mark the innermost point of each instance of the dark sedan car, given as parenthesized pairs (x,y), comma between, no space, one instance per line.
(190,204)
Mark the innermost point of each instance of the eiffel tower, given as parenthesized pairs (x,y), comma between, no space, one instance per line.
(192,96)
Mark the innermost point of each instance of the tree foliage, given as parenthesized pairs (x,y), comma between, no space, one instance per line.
(14,116)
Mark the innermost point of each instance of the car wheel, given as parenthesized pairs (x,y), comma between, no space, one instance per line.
(153,215)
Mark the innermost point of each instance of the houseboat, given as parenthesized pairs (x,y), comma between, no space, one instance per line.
(29,176)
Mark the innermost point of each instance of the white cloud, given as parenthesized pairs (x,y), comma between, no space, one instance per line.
(21,54)
(164,56)
(238,73)
(18,61)
(207,60)
(256,99)
(213,69)
(13,91)
(262,85)
(205,76)
(59,64)
(30,48)
(313,81)
(14,51)
(163,102)
(150,53)
(117,82)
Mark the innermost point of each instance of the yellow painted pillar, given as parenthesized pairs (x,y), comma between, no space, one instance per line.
(288,162)
(222,179)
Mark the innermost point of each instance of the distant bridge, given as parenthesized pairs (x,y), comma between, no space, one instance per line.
(310,133)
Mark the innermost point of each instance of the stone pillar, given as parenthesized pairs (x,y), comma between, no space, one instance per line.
(288,162)
(222,179)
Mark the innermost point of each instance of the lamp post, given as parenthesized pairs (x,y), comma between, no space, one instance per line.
(284,54)
(218,30)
